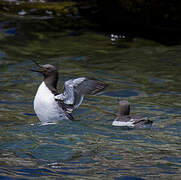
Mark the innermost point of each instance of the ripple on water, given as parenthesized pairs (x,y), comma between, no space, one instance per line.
(89,147)
(51,152)
(128,178)
(122,93)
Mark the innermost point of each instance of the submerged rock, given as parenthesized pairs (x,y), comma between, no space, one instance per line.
(37,8)
(155,19)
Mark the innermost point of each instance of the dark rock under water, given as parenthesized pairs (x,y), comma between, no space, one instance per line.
(157,20)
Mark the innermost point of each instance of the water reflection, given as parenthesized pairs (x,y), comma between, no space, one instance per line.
(89,147)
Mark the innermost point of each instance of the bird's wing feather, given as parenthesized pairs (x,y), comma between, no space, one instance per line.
(86,86)
(90,86)
(75,90)
(67,108)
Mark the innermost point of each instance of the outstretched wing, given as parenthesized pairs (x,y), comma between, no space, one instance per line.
(75,90)
(67,108)
(87,86)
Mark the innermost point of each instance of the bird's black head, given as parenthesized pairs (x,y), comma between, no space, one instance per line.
(47,69)
(50,74)
(124,108)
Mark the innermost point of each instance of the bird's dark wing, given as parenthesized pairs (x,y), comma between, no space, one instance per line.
(143,120)
(90,86)
(75,90)
(87,86)
(67,108)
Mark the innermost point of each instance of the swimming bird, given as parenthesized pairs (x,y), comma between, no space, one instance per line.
(125,119)
(52,106)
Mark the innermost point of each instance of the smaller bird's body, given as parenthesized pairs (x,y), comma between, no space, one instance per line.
(51,106)
(125,119)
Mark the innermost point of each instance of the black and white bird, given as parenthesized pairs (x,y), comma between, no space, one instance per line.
(125,119)
(51,106)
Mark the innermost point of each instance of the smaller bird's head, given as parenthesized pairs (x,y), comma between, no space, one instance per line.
(124,108)
(47,70)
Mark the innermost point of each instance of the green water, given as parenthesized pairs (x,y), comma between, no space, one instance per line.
(142,71)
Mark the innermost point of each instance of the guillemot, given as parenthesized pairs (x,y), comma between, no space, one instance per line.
(51,106)
(125,119)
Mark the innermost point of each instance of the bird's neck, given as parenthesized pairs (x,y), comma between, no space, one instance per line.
(51,83)
(123,111)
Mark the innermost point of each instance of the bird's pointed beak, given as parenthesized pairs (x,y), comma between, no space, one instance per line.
(36,63)
(40,70)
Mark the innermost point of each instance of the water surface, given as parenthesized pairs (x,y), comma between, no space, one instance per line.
(142,71)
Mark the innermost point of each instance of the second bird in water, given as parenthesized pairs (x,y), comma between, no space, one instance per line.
(125,119)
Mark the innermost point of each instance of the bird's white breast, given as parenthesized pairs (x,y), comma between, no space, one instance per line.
(46,107)
(122,123)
